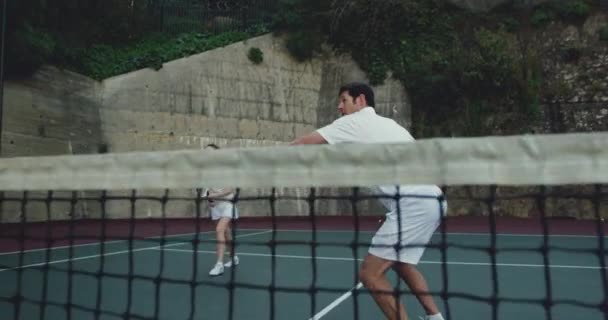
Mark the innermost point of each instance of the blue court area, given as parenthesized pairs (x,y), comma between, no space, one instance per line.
(282,276)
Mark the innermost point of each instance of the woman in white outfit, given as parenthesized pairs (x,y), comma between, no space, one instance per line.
(223,211)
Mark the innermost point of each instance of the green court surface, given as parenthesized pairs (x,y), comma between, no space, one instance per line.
(168,280)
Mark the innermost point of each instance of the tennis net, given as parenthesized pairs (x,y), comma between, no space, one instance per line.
(94,236)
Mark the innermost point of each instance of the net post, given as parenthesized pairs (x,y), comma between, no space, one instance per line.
(195,242)
(71,236)
(444,255)
(158,279)
(47,253)
(493,250)
(355,248)
(398,247)
(231,285)
(132,200)
(2,58)
(100,272)
(272,244)
(601,254)
(313,248)
(18,297)
(541,200)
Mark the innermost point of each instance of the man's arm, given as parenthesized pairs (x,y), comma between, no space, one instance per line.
(311,138)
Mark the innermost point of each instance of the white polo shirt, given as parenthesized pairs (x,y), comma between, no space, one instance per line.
(365,126)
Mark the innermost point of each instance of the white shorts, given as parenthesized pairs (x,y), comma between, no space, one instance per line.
(420,217)
(224,209)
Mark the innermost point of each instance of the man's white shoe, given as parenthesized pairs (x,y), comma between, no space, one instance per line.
(437,316)
(232,262)
(217,269)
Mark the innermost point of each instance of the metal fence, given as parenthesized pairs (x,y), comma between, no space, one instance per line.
(213,16)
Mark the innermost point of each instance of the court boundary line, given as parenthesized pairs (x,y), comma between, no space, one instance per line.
(100,242)
(439,233)
(296,230)
(117,252)
(457,263)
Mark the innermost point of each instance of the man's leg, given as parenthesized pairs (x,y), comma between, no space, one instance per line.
(372,276)
(417,284)
(421,221)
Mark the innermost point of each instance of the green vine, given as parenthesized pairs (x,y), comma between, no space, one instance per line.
(460,69)
(102,61)
(255,55)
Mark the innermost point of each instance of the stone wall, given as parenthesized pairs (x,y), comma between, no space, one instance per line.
(220,96)
(575,72)
(217,96)
(575,89)
(572,201)
(52,113)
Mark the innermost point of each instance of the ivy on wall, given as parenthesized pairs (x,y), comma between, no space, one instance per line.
(460,69)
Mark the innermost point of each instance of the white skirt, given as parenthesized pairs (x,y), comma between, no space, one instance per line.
(420,217)
(224,209)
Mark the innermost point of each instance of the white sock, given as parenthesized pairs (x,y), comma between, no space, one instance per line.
(437,316)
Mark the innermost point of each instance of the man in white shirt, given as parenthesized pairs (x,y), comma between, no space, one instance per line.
(410,221)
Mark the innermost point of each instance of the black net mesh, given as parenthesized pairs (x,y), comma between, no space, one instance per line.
(124,251)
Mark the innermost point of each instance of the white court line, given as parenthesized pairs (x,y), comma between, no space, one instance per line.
(99,243)
(485,234)
(521,265)
(309,231)
(336,302)
(261,255)
(59,247)
(86,257)
(118,252)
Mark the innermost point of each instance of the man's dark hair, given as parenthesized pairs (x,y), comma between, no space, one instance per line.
(212,145)
(355,89)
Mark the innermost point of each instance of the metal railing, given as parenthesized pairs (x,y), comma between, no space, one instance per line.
(213,16)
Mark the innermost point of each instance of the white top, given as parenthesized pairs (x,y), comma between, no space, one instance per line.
(365,126)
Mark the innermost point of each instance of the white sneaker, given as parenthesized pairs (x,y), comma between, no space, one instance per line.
(217,269)
(437,316)
(232,262)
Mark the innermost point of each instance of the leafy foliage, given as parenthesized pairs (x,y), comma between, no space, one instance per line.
(255,55)
(460,68)
(100,38)
(102,61)
(571,11)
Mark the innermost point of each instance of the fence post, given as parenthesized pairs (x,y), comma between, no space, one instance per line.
(162,15)
(2,57)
